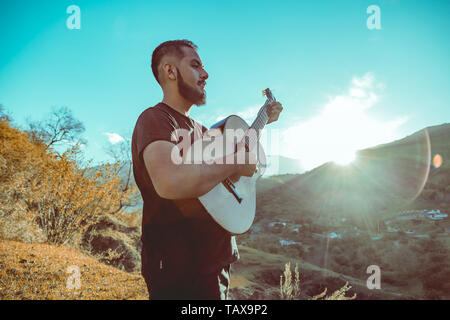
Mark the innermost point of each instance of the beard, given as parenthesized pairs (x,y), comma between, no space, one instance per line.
(189,93)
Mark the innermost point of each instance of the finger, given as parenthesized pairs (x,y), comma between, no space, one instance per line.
(277,108)
(274,104)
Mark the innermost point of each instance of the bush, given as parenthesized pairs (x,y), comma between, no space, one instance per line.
(51,189)
(67,198)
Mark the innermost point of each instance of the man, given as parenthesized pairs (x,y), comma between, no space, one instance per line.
(183,256)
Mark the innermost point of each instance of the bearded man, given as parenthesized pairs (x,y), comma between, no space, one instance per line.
(183,257)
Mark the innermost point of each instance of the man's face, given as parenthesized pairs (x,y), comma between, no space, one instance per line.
(191,78)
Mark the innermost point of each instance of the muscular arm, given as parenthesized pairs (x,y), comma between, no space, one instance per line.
(172,181)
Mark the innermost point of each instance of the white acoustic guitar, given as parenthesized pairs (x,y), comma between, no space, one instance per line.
(231,205)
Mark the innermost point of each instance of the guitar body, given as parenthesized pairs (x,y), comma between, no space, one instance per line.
(231,205)
(234,216)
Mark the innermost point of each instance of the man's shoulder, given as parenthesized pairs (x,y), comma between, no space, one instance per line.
(156,116)
(157,109)
(154,123)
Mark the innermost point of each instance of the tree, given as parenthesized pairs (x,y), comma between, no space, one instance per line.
(60,127)
(3,115)
(121,153)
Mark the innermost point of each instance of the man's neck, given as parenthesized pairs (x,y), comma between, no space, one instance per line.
(178,103)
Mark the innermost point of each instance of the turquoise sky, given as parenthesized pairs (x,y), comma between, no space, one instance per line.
(343,86)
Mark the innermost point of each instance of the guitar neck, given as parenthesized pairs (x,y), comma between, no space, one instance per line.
(252,139)
(262,117)
(261,120)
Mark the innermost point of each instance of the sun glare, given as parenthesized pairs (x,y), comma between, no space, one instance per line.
(341,127)
(344,158)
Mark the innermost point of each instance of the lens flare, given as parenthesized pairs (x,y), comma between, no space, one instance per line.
(437,161)
(385,177)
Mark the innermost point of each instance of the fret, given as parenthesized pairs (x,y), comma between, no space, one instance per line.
(260,122)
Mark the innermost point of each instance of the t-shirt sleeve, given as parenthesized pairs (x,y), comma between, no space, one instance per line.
(153,125)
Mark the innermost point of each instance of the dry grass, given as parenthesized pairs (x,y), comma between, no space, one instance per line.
(291,290)
(238,281)
(39,272)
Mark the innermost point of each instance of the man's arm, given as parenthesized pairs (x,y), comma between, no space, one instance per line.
(184,181)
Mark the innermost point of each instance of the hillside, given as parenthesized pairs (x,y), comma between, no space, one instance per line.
(279,165)
(39,271)
(257,276)
(386,178)
(33,271)
(389,208)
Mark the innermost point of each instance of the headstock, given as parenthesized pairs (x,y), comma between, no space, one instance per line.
(269,95)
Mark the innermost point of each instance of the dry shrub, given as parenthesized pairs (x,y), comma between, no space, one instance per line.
(339,294)
(52,191)
(67,198)
(20,161)
(132,219)
(290,290)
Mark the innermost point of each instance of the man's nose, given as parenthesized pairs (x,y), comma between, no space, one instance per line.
(205,75)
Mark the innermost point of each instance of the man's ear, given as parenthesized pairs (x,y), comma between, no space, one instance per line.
(169,70)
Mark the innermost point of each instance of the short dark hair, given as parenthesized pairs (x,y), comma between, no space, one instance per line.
(169,47)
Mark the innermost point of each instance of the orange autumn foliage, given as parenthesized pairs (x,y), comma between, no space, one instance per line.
(53,190)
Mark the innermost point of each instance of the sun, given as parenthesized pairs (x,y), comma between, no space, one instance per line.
(344,158)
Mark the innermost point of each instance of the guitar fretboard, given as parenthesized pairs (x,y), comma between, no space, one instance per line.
(259,123)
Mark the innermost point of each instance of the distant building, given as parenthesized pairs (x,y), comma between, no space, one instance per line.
(276,224)
(334,235)
(377,237)
(438,216)
(288,242)
(392,229)
(435,214)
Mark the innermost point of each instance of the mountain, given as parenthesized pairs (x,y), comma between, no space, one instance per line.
(277,165)
(389,209)
(381,179)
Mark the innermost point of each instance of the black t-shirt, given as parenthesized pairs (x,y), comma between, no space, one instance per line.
(212,246)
